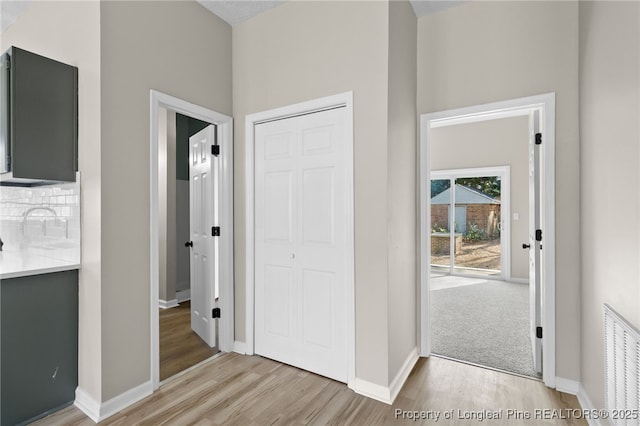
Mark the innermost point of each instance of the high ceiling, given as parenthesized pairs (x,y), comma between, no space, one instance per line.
(10,10)
(231,11)
(236,11)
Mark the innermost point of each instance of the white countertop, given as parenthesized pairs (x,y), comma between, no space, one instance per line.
(21,263)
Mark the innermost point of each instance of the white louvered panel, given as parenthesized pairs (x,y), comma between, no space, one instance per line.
(622,368)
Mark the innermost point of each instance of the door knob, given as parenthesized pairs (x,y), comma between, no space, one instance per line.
(526,246)
(188,244)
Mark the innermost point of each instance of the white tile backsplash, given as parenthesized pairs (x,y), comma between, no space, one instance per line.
(44,220)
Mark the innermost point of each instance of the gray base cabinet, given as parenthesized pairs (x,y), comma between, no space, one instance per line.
(39,345)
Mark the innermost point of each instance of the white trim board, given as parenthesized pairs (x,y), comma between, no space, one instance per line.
(240,347)
(341,100)
(224,125)
(587,405)
(515,107)
(569,386)
(99,411)
(167,304)
(387,394)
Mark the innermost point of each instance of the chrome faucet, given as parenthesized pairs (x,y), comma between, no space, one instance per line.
(26,214)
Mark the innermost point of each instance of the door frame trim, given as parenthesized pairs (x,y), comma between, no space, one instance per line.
(224,125)
(340,100)
(544,103)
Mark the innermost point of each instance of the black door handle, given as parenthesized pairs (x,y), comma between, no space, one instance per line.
(188,244)
(526,246)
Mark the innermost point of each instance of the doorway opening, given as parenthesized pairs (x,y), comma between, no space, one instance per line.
(191,282)
(518,266)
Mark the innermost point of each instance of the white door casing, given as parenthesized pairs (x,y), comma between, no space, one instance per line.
(224,125)
(545,104)
(535,204)
(301,246)
(203,260)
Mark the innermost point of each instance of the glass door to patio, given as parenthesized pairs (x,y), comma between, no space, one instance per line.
(466,223)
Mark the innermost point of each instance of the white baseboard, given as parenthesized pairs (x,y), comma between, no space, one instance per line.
(586,404)
(386,394)
(183,296)
(403,374)
(240,347)
(371,390)
(567,385)
(98,412)
(518,280)
(166,304)
(87,405)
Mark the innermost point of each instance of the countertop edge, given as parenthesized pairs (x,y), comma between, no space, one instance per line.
(39,271)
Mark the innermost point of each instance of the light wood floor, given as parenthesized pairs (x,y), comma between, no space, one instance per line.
(234,389)
(180,347)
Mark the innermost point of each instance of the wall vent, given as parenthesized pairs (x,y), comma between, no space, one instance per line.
(622,368)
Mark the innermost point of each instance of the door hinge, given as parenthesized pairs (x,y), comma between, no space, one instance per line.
(215,231)
(215,150)
(215,313)
(539,332)
(538,234)
(538,138)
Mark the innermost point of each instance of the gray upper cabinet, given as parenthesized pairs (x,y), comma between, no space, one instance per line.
(41,116)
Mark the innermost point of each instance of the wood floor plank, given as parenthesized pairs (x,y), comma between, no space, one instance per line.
(233,389)
(180,347)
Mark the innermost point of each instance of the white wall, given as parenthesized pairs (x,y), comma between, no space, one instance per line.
(178,48)
(481,52)
(70,32)
(610,135)
(503,142)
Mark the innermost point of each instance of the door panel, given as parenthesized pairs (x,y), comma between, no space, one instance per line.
(535,207)
(278,187)
(203,249)
(278,283)
(317,206)
(317,300)
(300,242)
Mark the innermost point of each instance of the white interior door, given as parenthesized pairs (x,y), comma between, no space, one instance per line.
(204,272)
(300,242)
(535,244)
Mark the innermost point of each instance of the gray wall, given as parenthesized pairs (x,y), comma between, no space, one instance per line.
(142,47)
(305,50)
(401,184)
(503,142)
(183,266)
(167,205)
(481,52)
(610,131)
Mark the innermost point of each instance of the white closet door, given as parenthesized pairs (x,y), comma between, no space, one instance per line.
(300,242)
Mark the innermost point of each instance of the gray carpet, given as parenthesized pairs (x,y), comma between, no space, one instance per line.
(486,324)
